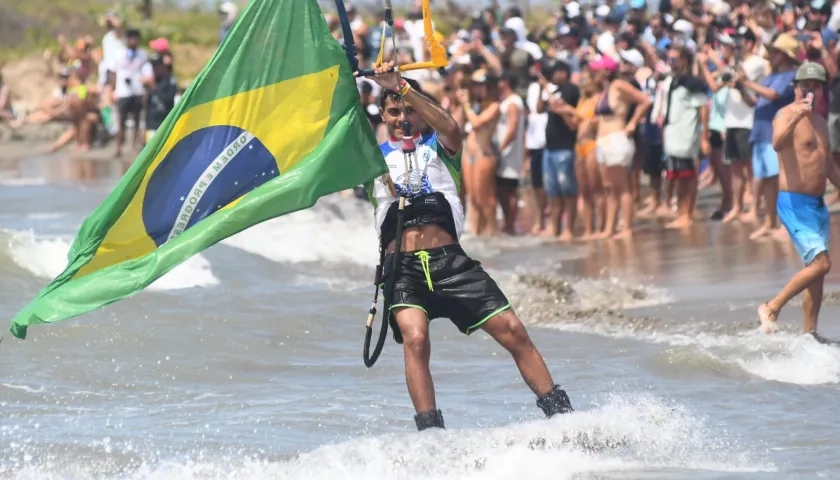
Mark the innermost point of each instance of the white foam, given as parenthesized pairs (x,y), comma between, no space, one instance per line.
(335,229)
(46,257)
(22,181)
(46,215)
(781,357)
(800,360)
(626,434)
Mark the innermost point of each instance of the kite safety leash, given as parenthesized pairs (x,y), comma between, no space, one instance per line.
(413,178)
(408,152)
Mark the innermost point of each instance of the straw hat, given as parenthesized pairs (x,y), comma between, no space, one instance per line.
(786,44)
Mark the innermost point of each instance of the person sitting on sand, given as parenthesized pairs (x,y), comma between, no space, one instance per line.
(801,139)
(83,108)
(51,109)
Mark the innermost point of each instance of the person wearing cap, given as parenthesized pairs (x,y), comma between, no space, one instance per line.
(631,60)
(160,96)
(568,41)
(160,46)
(801,138)
(437,278)
(615,143)
(774,92)
(739,53)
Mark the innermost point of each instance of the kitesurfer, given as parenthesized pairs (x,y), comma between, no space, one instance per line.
(435,277)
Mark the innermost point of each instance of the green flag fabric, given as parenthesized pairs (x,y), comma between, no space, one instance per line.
(272,123)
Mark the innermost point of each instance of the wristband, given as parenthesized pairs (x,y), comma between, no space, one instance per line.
(404,88)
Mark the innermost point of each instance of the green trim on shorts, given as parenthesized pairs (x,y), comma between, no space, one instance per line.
(488,317)
(408,305)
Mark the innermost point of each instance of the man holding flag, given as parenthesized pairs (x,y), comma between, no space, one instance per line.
(435,276)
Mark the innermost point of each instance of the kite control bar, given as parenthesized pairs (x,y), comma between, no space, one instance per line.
(436,51)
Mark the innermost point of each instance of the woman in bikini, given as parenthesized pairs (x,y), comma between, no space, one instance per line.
(458,81)
(586,167)
(615,144)
(482,120)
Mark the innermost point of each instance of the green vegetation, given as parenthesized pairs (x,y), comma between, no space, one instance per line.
(33,25)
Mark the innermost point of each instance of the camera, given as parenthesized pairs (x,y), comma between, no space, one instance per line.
(727,76)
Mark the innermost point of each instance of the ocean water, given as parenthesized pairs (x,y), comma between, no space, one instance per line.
(245,361)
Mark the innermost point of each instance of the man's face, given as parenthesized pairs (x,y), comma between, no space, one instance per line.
(656,27)
(675,61)
(394,117)
(778,58)
(567,42)
(508,40)
(132,41)
(559,76)
(806,86)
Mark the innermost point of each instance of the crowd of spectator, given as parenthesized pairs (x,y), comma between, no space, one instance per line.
(106,89)
(563,120)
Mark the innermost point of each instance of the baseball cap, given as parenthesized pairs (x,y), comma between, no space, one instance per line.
(633,57)
(811,71)
(725,39)
(159,44)
(605,62)
(567,30)
(507,32)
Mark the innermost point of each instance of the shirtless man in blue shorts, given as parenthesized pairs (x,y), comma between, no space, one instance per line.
(800,136)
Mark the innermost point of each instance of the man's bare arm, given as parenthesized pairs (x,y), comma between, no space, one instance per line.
(449,133)
(783,126)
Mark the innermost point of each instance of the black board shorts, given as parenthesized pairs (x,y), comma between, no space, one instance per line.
(445,283)
(130,106)
(737,147)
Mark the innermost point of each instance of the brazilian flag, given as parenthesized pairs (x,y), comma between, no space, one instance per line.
(271,124)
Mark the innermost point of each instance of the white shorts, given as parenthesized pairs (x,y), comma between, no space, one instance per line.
(615,150)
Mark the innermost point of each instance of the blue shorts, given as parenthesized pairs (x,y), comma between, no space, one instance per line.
(807,221)
(559,173)
(765,161)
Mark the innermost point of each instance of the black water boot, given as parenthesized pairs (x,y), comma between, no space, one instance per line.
(433,419)
(554,402)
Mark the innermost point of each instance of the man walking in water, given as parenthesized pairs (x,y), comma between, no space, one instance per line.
(436,278)
(800,136)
